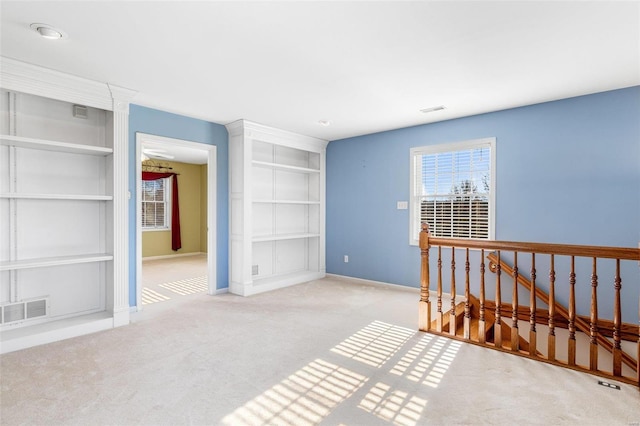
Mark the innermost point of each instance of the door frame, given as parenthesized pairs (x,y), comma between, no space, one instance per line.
(212,151)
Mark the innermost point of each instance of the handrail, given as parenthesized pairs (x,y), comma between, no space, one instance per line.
(485,323)
(622,253)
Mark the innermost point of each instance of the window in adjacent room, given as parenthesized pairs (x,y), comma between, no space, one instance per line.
(453,189)
(155,204)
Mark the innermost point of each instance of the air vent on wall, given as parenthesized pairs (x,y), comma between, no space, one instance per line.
(13,313)
(80,111)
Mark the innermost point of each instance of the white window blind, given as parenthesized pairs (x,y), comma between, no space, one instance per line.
(453,189)
(155,204)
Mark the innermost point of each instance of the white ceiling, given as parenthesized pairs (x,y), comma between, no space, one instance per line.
(365,66)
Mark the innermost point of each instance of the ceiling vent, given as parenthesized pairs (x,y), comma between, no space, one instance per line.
(432,109)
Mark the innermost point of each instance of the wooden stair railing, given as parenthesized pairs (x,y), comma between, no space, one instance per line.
(469,326)
(574,321)
(474,321)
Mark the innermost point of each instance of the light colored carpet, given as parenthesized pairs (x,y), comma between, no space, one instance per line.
(333,351)
(168,278)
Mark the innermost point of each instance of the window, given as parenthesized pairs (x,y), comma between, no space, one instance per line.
(155,204)
(453,188)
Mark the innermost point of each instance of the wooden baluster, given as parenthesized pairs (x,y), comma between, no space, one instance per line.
(515,335)
(482,330)
(571,355)
(551,341)
(593,328)
(439,314)
(533,338)
(467,302)
(617,321)
(452,313)
(424,310)
(498,324)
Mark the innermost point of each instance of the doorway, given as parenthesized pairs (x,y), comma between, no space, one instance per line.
(159,149)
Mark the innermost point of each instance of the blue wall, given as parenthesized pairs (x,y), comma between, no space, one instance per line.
(160,123)
(567,171)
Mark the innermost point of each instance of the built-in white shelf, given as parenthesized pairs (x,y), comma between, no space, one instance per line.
(63,214)
(49,145)
(79,197)
(54,261)
(277,216)
(262,238)
(264,201)
(285,167)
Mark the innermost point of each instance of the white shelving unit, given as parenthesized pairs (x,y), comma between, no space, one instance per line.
(63,206)
(277,181)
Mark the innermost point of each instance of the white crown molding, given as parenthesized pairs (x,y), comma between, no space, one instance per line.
(121,97)
(36,80)
(272,135)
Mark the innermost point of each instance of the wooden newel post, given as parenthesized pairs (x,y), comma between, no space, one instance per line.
(424,306)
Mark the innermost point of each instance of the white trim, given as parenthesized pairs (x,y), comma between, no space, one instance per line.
(156,229)
(171,256)
(221,291)
(36,80)
(212,218)
(416,290)
(54,331)
(378,283)
(264,133)
(274,283)
(451,147)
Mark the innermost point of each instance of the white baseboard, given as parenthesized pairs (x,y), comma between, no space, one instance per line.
(432,293)
(362,280)
(54,331)
(169,256)
(221,291)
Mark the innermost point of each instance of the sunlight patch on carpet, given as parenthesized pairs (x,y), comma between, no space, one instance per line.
(375,344)
(393,405)
(150,296)
(304,398)
(428,360)
(187,286)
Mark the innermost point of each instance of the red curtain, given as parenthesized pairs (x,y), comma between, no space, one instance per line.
(176,242)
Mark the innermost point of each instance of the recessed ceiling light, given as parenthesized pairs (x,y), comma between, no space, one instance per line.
(47,31)
(324,123)
(433,109)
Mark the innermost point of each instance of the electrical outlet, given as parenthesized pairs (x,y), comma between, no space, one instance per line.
(254,270)
(608,385)
(346,259)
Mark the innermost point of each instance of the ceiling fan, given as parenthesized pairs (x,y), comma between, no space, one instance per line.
(156,153)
